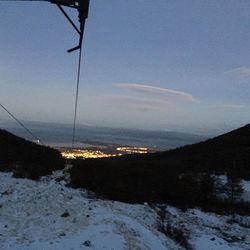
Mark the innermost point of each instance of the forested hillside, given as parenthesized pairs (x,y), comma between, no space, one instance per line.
(185,176)
(27,159)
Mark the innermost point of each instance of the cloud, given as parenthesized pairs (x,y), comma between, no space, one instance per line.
(157,91)
(228,106)
(134,103)
(242,72)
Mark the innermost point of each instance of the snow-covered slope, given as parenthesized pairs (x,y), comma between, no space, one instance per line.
(48,215)
(246,187)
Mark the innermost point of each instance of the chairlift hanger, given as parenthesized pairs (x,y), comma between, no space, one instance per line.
(82,6)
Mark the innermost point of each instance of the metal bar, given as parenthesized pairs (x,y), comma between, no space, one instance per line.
(74,49)
(69,3)
(69,19)
(24,1)
(21,124)
(72,4)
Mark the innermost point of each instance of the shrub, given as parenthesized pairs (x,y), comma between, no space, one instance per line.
(178,235)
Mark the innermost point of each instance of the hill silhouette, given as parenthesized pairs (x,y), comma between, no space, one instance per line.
(25,158)
(227,152)
(175,176)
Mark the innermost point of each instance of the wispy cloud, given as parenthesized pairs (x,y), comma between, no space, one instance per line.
(151,90)
(242,72)
(228,106)
(134,103)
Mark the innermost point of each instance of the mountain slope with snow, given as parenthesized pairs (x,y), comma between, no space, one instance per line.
(47,215)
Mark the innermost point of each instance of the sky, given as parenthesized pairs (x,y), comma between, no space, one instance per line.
(148,64)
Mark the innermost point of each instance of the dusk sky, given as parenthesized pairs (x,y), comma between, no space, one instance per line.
(149,64)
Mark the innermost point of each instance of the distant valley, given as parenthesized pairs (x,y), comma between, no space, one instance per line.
(60,135)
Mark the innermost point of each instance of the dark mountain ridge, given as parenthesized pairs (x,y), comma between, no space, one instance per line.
(227,152)
(26,158)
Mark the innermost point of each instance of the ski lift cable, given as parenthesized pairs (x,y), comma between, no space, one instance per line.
(77,95)
(82,7)
(21,124)
(78,80)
